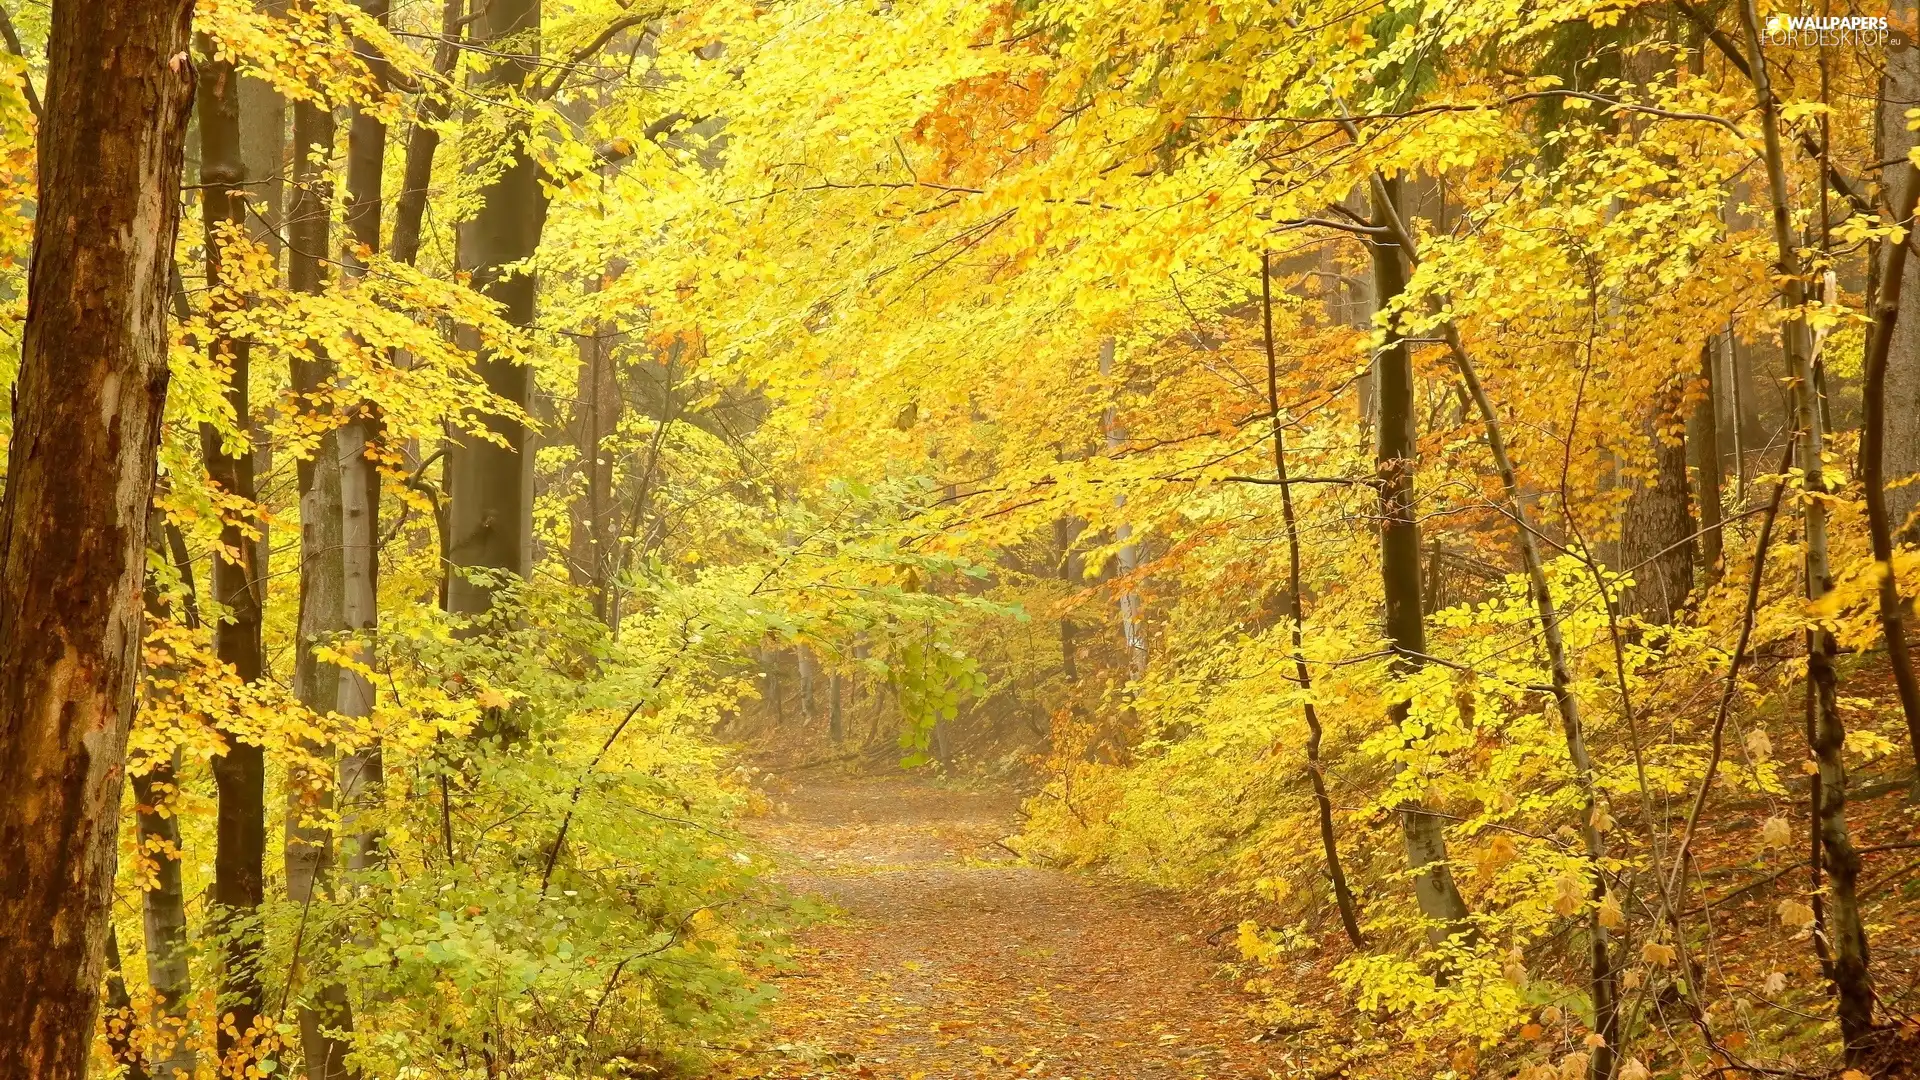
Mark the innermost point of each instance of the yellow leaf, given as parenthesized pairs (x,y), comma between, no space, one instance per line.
(1776,832)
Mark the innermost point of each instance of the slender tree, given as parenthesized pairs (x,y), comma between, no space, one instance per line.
(1873,473)
(73,520)
(1297,616)
(238,578)
(309,849)
(1396,454)
(1826,731)
(361,772)
(1705,438)
(164,904)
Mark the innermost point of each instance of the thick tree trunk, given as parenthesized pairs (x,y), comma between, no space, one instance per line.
(1846,933)
(1705,437)
(1396,452)
(1900,447)
(1657,535)
(73,522)
(490,515)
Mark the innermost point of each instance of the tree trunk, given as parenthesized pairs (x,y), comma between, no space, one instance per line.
(1066,531)
(423,140)
(73,521)
(490,515)
(239,774)
(1132,631)
(164,914)
(362,773)
(596,415)
(803,678)
(1899,457)
(1396,451)
(308,850)
(1853,985)
(836,722)
(164,906)
(120,1017)
(1296,612)
(1603,983)
(1893,609)
(1657,535)
(1742,420)
(263,151)
(770,668)
(1705,436)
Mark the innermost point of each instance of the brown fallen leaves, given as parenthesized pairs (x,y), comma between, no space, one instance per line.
(952,961)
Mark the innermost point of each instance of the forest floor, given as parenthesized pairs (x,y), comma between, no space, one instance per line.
(948,957)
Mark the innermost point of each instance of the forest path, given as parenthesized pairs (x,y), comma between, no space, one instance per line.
(950,959)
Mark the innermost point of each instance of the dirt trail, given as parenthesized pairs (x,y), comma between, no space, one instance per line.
(949,960)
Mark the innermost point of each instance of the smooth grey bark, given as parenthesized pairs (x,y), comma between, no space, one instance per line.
(308,850)
(803,676)
(164,914)
(120,1016)
(362,772)
(490,510)
(423,140)
(1072,570)
(263,151)
(836,722)
(1893,608)
(1132,631)
(598,405)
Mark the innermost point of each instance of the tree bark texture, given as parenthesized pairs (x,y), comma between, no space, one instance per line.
(1657,533)
(1900,449)
(73,522)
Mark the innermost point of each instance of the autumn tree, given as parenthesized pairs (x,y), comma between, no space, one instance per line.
(73,531)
